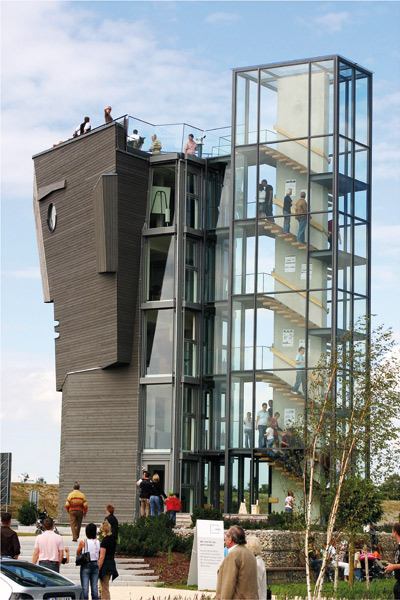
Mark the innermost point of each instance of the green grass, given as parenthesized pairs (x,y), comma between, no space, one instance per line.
(379,590)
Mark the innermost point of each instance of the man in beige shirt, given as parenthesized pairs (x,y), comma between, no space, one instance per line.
(237,575)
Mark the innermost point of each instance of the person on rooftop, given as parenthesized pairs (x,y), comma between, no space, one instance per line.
(156,146)
(190,146)
(84,127)
(107,115)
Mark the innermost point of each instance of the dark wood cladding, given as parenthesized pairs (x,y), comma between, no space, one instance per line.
(99,434)
(105,198)
(95,310)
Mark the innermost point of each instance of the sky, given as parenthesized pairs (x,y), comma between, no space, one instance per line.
(163,62)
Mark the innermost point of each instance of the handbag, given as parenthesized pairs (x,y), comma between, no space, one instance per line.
(83,558)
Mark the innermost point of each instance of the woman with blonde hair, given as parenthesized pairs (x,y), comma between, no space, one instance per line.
(253,544)
(157,495)
(112,519)
(107,567)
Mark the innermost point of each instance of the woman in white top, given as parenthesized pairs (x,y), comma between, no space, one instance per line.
(289,502)
(90,571)
(253,544)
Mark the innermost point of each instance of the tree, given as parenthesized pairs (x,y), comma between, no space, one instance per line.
(350,415)
(390,488)
(40,480)
(24,477)
(27,513)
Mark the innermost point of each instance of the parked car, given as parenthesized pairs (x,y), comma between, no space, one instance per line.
(24,580)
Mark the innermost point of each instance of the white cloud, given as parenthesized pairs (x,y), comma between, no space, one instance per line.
(28,273)
(333,22)
(221,18)
(54,75)
(29,390)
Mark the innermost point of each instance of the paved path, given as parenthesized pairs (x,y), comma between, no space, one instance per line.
(132,571)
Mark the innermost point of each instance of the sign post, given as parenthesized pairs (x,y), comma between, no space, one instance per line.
(207,554)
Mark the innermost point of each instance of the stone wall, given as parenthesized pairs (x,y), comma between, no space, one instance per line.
(285,549)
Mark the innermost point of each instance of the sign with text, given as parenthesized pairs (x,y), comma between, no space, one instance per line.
(210,552)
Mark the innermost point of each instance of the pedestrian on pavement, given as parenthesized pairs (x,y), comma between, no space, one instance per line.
(49,547)
(107,567)
(237,575)
(10,545)
(76,506)
(112,519)
(145,493)
(90,571)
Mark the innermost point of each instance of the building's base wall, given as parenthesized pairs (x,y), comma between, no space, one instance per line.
(99,436)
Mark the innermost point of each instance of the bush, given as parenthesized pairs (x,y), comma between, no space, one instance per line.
(27,513)
(282,520)
(208,514)
(150,535)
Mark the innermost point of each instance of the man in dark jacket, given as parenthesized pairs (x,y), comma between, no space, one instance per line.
(9,540)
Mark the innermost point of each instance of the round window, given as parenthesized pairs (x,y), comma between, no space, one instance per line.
(51,217)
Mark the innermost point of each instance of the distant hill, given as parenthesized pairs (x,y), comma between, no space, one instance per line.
(48,497)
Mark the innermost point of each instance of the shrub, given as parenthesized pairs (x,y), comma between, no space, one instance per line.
(27,513)
(208,514)
(150,535)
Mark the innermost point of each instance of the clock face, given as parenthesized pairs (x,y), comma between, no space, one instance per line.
(51,217)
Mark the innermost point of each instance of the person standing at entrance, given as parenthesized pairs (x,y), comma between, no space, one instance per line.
(76,506)
(262,424)
(145,493)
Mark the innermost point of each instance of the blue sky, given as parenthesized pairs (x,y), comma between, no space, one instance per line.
(162,62)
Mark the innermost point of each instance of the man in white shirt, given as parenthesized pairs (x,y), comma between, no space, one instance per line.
(49,548)
(262,424)
(84,127)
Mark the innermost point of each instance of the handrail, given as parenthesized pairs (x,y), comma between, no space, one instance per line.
(297,289)
(302,142)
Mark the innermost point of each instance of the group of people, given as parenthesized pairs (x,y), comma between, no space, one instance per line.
(86,126)
(265,208)
(153,497)
(100,567)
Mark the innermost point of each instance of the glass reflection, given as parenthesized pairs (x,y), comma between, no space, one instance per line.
(158,417)
(162,197)
(246,107)
(159,324)
(160,268)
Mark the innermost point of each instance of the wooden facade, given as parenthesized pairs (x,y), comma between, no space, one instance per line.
(90,268)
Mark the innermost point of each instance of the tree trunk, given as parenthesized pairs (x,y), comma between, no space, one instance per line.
(335,582)
(366,564)
(351,562)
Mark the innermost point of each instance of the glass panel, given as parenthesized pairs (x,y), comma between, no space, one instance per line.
(246,108)
(261,485)
(218,198)
(187,500)
(345,234)
(188,434)
(287,113)
(345,100)
(158,417)
(162,197)
(242,334)
(362,103)
(245,183)
(322,79)
(243,259)
(361,167)
(240,482)
(215,340)
(189,396)
(233,505)
(360,308)
(274,391)
(160,268)
(360,258)
(190,344)
(188,472)
(361,204)
(344,318)
(345,164)
(242,422)
(159,347)
(213,418)
(192,212)
(191,271)
(265,258)
(217,267)
(267,176)
(192,183)
(321,177)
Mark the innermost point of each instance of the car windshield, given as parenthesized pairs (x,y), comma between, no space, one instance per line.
(33,575)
